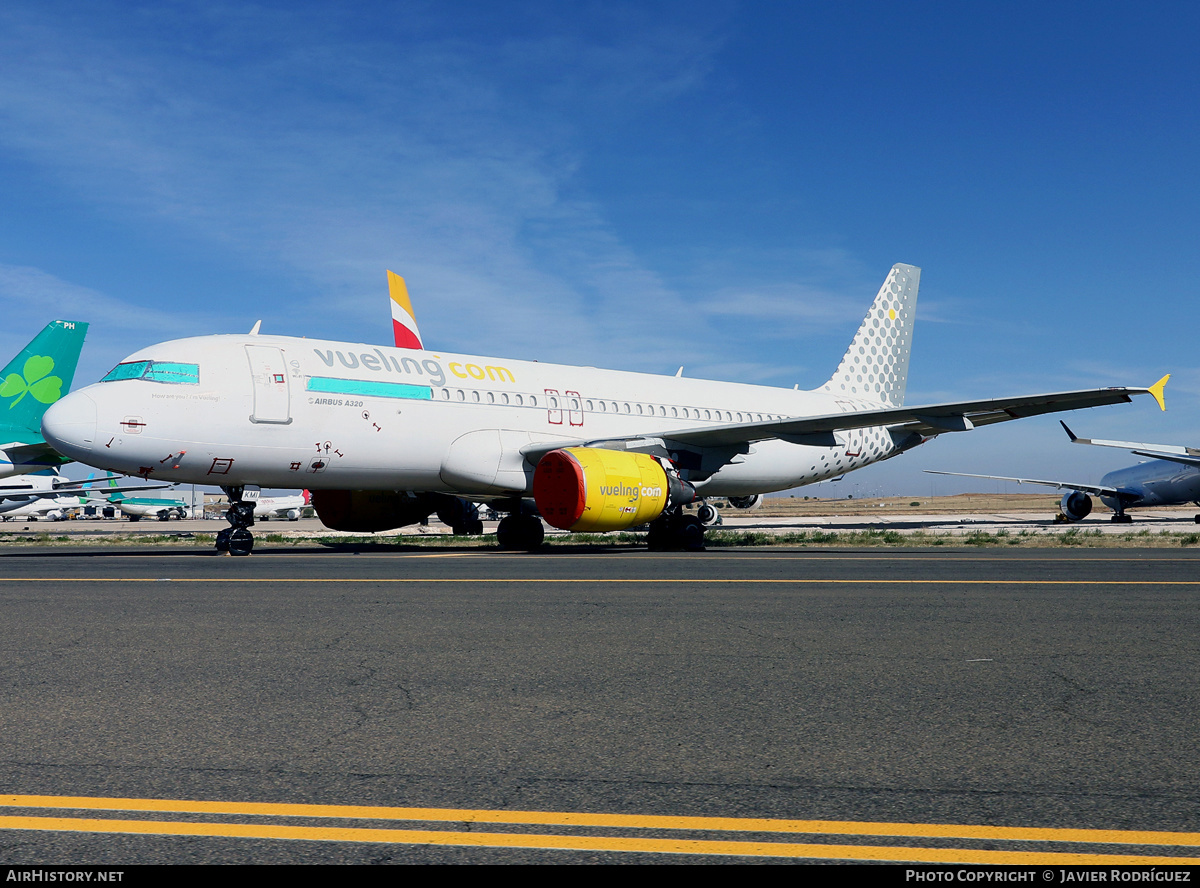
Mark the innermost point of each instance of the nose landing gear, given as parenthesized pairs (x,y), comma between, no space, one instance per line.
(237,539)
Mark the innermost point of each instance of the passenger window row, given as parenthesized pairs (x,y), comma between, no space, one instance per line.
(592,405)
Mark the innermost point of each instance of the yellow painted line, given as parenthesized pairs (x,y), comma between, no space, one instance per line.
(576,843)
(624,821)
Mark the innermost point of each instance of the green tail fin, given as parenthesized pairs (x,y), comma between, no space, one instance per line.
(37,377)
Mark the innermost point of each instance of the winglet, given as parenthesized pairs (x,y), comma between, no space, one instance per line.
(1157,391)
(1070,434)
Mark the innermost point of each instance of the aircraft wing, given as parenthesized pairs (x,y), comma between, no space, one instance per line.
(1093,489)
(1188,456)
(926,420)
(73,487)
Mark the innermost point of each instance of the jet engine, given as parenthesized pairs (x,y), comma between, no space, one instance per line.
(292,515)
(369,511)
(590,489)
(746,502)
(462,516)
(1075,505)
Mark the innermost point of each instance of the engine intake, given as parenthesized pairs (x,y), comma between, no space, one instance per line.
(1075,505)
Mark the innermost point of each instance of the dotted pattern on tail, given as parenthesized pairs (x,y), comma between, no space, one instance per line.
(875,368)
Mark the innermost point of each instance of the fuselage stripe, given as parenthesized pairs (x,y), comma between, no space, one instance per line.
(369,388)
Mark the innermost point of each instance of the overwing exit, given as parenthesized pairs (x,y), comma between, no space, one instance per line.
(385,437)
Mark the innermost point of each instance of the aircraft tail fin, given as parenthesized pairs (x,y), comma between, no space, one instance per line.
(404,322)
(39,375)
(875,367)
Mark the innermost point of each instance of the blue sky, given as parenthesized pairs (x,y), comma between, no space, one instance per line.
(719,185)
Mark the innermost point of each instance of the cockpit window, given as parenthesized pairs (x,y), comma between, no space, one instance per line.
(156,371)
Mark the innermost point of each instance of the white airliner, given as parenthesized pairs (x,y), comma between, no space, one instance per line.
(383,437)
(44,493)
(56,508)
(289,507)
(37,496)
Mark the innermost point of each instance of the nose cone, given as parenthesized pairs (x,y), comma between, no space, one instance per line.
(69,426)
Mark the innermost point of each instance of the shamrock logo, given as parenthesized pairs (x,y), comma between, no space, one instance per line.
(33,380)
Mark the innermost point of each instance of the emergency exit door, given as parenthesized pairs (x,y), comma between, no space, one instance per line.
(272,400)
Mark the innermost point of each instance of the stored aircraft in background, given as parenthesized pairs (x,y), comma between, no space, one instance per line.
(384,437)
(1170,478)
(39,495)
(57,508)
(135,508)
(38,376)
(44,491)
(289,507)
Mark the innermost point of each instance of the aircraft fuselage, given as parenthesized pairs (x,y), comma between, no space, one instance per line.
(1158,482)
(286,412)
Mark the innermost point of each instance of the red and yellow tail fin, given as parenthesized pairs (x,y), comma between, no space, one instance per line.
(404,322)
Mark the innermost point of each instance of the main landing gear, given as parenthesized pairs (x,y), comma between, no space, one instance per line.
(675,530)
(520,531)
(708,514)
(237,539)
(1119,516)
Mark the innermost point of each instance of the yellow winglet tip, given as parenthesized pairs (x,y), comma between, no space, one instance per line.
(1157,391)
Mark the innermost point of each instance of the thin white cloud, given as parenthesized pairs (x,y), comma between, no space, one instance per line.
(432,157)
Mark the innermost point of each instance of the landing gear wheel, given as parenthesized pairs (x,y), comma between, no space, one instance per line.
(237,540)
(241,541)
(473,527)
(520,532)
(1198,519)
(1122,519)
(675,531)
(691,534)
(657,536)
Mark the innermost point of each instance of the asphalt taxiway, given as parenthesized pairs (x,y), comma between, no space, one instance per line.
(324,705)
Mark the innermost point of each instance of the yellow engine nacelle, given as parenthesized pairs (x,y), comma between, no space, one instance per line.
(589,489)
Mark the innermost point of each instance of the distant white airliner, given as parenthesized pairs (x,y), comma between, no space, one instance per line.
(383,437)
(46,494)
(289,507)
